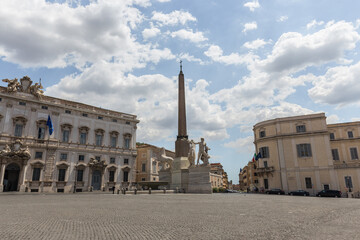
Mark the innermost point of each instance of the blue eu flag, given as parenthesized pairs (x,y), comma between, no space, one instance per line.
(50,125)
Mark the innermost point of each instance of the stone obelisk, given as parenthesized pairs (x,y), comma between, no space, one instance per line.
(181,144)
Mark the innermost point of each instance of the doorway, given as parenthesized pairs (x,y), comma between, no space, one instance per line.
(11,177)
(96,180)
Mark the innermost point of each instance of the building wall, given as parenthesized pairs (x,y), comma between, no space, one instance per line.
(288,171)
(72,116)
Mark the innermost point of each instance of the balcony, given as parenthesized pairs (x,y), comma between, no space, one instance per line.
(347,165)
(265,170)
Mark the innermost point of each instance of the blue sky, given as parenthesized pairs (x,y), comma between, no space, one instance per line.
(244,62)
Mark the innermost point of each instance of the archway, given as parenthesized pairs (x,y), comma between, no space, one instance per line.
(11,177)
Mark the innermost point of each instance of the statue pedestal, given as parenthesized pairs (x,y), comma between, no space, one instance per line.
(199,180)
(180,174)
(165,176)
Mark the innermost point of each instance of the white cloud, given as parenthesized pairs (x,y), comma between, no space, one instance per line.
(328,44)
(191,58)
(242,145)
(339,86)
(216,54)
(314,23)
(173,18)
(258,43)
(56,35)
(252,5)
(332,119)
(250,26)
(195,37)
(150,32)
(162,1)
(282,19)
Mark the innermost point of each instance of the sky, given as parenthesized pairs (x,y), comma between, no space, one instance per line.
(244,61)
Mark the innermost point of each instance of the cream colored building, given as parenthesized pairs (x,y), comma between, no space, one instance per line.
(90,149)
(248,177)
(147,165)
(303,152)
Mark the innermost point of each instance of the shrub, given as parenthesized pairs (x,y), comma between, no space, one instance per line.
(215,190)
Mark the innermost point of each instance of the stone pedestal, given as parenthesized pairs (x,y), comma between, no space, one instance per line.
(180,174)
(165,176)
(199,180)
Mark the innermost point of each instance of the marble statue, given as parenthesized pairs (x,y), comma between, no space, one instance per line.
(192,152)
(13,85)
(36,90)
(203,152)
(165,160)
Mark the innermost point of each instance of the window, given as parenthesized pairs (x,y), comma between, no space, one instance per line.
(79,176)
(41,124)
(353,153)
(100,117)
(36,174)
(266,184)
(81,158)
(304,150)
(126,161)
(98,158)
(98,139)
(127,138)
(0,99)
(335,154)
(61,177)
(126,176)
(114,120)
(111,176)
(348,182)
(154,166)
(63,156)
(350,134)
(65,136)
(83,136)
(265,164)
(143,179)
(326,187)
(68,111)
(154,179)
(308,182)
(256,181)
(112,160)
(264,151)
(143,167)
(113,141)
(18,130)
(85,115)
(262,134)
(128,123)
(300,128)
(332,136)
(255,174)
(44,107)
(38,155)
(22,103)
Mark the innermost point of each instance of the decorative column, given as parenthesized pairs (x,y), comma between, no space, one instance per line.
(23,186)
(2,177)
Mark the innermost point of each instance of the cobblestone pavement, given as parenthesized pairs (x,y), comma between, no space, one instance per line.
(177,216)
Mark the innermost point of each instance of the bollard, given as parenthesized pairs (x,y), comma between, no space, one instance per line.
(164,190)
(124,191)
(113,188)
(183,190)
(149,190)
(118,191)
(177,190)
(135,191)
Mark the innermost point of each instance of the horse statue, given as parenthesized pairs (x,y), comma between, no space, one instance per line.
(165,161)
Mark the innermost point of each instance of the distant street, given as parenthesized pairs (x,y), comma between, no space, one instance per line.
(177,216)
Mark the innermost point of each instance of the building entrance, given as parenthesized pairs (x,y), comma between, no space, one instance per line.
(96,180)
(11,177)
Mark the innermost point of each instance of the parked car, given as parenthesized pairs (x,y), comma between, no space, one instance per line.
(275,191)
(299,193)
(329,193)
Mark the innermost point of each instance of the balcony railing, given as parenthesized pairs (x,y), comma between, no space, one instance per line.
(265,170)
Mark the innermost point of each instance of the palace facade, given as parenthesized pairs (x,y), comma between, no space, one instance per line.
(90,149)
(304,152)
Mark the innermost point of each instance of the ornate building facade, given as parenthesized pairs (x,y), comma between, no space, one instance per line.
(90,149)
(304,152)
